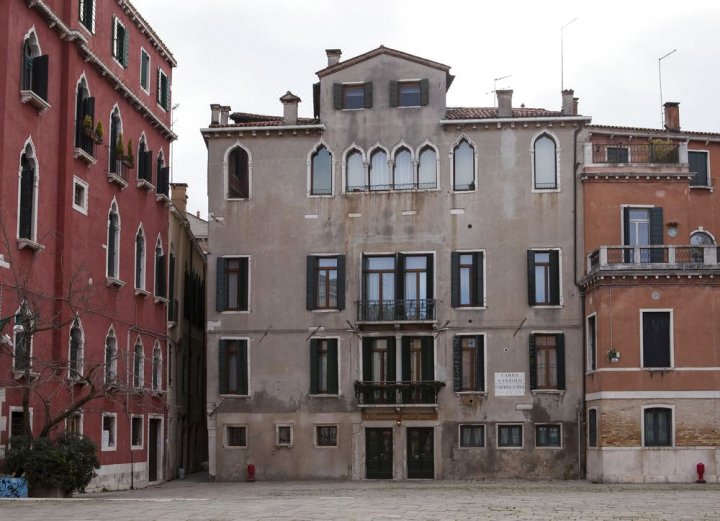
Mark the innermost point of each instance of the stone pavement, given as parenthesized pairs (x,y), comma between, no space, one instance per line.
(196,499)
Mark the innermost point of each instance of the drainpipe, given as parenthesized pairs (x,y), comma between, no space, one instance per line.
(581,400)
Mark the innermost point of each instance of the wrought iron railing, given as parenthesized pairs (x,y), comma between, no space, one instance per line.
(395,310)
(398,393)
(398,187)
(653,257)
(668,153)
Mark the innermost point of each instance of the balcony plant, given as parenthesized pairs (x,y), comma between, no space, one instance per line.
(129,158)
(87,124)
(119,147)
(99,133)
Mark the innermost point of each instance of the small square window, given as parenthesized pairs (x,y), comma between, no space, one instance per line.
(235,436)
(283,435)
(510,436)
(136,431)
(472,435)
(353,96)
(108,432)
(326,435)
(80,195)
(548,436)
(409,94)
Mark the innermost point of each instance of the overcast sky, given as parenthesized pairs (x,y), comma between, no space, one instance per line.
(247,54)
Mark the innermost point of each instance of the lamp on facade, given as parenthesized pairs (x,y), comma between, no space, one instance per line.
(613,355)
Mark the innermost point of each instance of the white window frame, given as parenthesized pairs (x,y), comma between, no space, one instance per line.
(108,447)
(588,356)
(673,425)
(138,378)
(317,445)
(249,288)
(484,274)
(146,90)
(510,424)
(162,73)
(289,425)
(249,367)
(92,22)
(226,436)
(82,208)
(81,424)
(339,359)
(416,156)
(312,152)
(142,431)
(113,363)
(551,447)
(23,310)
(226,172)
(140,285)
(597,428)
(485,364)
(29,145)
(115,278)
(534,139)
(672,338)
(81,348)
(560,278)
(476,172)
(156,348)
(352,148)
(472,447)
(115,42)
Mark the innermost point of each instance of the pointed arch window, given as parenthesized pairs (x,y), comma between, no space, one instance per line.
(238,174)
(463,166)
(110,358)
(379,171)
(140,259)
(144,161)
(355,171)
(34,69)
(27,210)
(157,368)
(545,163)
(403,175)
(113,243)
(23,338)
(115,145)
(84,118)
(321,172)
(77,345)
(427,168)
(160,282)
(163,176)
(138,365)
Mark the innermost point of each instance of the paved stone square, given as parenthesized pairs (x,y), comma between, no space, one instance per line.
(196,499)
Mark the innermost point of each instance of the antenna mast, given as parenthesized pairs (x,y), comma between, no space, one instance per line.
(662,109)
(562,51)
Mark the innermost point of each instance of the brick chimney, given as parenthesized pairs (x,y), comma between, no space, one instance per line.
(290,108)
(179,197)
(504,99)
(333,56)
(575,106)
(567,102)
(672,116)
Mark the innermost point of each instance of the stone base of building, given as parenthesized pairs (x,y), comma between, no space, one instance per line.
(122,476)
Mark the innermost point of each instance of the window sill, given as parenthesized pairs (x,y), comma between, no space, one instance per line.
(321,395)
(471,393)
(19,374)
(320,196)
(141,293)
(162,197)
(108,449)
(158,393)
(470,308)
(28,96)
(113,281)
(657,369)
(322,310)
(112,177)
(30,245)
(547,391)
(136,447)
(235,312)
(509,448)
(145,185)
(539,447)
(283,445)
(547,306)
(546,190)
(160,300)
(236,396)
(171,324)
(79,153)
(3,263)
(702,187)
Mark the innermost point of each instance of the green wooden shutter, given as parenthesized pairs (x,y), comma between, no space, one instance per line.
(400,311)
(310,284)
(39,79)
(338,96)
(393,94)
(368,88)
(405,364)
(244,284)
(428,359)
(626,234)
(314,356)
(391,372)
(424,92)
(479,279)
(367,359)
(555,277)
(532,355)
(457,364)
(656,234)
(242,369)
(531,277)
(316,100)
(560,360)
(332,366)
(480,365)
(455,279)
(430,276)
(220,286)
(222,367)
(341,281)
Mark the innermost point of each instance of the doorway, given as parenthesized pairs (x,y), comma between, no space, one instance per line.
(378,453)
(420,453)
(155,435)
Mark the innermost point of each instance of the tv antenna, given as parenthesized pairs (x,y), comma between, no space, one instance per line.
(495,80)
(562,51)
(662,109)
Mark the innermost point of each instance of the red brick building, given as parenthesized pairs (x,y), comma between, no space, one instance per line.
(651,299)
(84,151)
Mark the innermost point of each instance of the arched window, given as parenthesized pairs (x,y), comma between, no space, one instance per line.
(163,176)
(140,259)
(699,240)
(113,242)
(403,170)
(27,210)
(379,171)
(116,144)
(157,368)
(84,118)
(321,172)
(138,365)
(463,166)
(23,338)
(76,349)
(34,67)
(144,161)
(427,169)
(110,357)
(238,174)
(160,282)
(545,163)
(355,171)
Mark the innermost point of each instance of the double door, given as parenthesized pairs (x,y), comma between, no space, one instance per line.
(379,453)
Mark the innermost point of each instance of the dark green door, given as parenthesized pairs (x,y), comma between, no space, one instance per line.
(420,453)
(378,453)
(153,453)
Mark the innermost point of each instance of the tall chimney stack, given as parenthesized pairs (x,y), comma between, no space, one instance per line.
(179,197)
(567,102)
(672,116)
(333,56)
(504,99)
(290,108)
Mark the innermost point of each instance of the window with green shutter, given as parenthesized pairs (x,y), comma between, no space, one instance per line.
(698,163)
(467,279)
(144,70)
(469,363)
(324,366)
(163,90)
(232,278)
(352,95)
(121,42)
(87,14)
(547,361)
(543,277)
(325,282)
(233,366)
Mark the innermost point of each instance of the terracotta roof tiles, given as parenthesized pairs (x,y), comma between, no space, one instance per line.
(461,113)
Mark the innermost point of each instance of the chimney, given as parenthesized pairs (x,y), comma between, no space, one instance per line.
(567,102)
(575,106)
(333,56)
(224,111)
(504,99)
(290,108)
(179,197)
(672,116)
(214,114)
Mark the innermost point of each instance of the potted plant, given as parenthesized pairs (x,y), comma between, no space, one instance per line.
(129,157)
(99,133)
(53,467)
(119,148)
(87,124)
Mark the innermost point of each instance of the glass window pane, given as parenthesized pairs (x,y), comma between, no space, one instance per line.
(379,171)
(545,172)
(409,94)
(332,297)
(355,171)
(403,170)
(540,293)
(327,262)
(381,263)
(322,172)
(464,167)
(353,97)
(233,281)
(232,372)
(465,286)
(427,169)
(414,263)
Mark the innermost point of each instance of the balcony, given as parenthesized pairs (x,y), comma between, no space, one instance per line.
(653,258)
(664,160)
(418,310)
(120,174)
(398,393)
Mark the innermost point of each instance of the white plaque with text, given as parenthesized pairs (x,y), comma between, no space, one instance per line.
(509,384)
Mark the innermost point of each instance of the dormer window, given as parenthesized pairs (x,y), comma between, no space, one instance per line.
(352,95)
(410,93)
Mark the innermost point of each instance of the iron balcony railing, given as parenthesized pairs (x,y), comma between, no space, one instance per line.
(398,393)
(653,257)
(621,153)
(390,187)
(395,310)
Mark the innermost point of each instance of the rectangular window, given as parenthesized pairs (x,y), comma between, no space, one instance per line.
(698,162)
(108,432)
(352,95)
(163,90)
(326,435)
(472,435)
(378,367)
(469,363)
(409,94)
(87,14)
(324,366)
(136,431)
(656,338)
(547,361)
(643,227)
(17,424)
(121,43)
(510,436)
(284,435)
(658,427)
(144,70)
(617,154)
(543,277)
(467,279)
(233,367)
(592,428)
(548,436)
(325,282)
(591,342)
(73,424)
(233,284)
(80,195)
(235,436)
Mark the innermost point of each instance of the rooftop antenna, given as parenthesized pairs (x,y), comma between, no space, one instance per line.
(495,80)
(662,109)
(562,52)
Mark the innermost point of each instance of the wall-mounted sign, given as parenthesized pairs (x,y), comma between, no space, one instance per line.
(509,384)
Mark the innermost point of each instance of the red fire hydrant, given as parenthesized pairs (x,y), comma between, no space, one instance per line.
(701,473)
(251,472)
